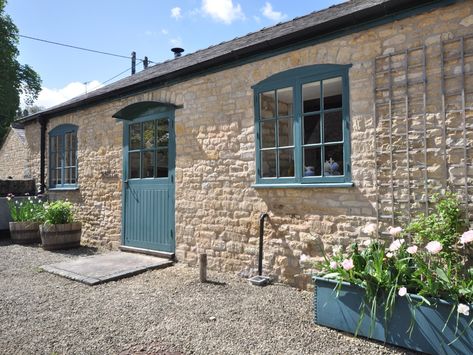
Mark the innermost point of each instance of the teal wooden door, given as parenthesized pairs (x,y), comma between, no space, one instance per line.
(148,182)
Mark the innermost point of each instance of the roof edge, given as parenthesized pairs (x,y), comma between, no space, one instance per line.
(382,12)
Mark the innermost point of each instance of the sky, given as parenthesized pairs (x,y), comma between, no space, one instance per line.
(148,27)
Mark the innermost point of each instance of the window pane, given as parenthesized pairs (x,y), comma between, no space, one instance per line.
(60,145)
(52,178)
(268,134)
(73,175)
(268,163)
(312,129)
(311,97)
(333,93)
(333,160)
(333,131)
(267,105)
(53,142)
(147,159)
(67,151)
(162,163)
(53,159)
(59,177)
(134,165)
(286,162)
(163,133)
(67,174)
(285,102)
(135,136)
(312,165)
(148,134)
(285,132)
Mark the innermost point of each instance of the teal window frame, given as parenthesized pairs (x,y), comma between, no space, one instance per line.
(61,131)
(295,79)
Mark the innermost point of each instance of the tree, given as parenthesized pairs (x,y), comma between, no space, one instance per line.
(15,79)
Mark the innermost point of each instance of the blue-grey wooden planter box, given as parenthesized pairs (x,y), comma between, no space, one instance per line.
(342,312)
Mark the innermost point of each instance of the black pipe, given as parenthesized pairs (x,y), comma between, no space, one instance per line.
(42,182)
(261,234)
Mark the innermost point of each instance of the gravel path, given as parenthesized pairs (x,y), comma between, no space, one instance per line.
(158,312)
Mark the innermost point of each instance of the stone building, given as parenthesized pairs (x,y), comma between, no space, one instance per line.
(352,115)
(13,155)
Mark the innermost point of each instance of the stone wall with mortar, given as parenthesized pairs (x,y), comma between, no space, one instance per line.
(217,209)
(13,156)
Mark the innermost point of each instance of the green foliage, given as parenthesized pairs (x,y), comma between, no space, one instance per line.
(28,209)
(444,225)
(58,212)
(15,79)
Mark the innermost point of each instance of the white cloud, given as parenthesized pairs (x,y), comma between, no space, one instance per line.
(268,12)
(52,97)
(257,19)
(176,42)
(223,10)
(149,33)
(164,31)
(176,13)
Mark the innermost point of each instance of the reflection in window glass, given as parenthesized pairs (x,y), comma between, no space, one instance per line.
(162,133)
(162,163)
(268,134)
(267,105)
(285,132)
(148,135)
(312,162)
(311,97)
(286,162)
(333,130)
(135,136)
(285,101)
(333,161)
(332,93)
(134,165)
(268,163)
(312,129)
(147,162)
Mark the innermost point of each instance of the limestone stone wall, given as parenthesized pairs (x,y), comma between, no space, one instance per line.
(217,208)
(13,155)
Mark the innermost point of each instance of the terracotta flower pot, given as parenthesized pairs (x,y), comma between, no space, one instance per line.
(24,232)
(60,236)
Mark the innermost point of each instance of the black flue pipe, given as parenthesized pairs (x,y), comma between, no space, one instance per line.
(261,234)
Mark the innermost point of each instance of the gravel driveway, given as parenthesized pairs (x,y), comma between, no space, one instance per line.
(158,312)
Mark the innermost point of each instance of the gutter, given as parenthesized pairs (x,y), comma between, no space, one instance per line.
(355,21)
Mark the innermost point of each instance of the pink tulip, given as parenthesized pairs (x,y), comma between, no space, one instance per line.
(433,247)
(347,264)
(333,264)
(412,249)
(467,237)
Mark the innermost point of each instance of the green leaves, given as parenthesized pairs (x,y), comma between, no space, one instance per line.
(15,79)
(58,212)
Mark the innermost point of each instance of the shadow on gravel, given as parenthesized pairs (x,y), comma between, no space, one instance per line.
(216,283)
(84,250)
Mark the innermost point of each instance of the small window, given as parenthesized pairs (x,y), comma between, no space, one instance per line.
(302,126)
(63,156)
(148,149)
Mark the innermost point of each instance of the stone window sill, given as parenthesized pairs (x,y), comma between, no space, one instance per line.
(70,188)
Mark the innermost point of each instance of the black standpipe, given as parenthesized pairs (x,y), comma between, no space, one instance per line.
(261,234)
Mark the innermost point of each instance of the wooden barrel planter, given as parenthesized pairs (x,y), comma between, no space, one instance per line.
(24,232)
(60,236)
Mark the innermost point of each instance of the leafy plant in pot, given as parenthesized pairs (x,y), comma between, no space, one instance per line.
(59,230)
(26,213)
